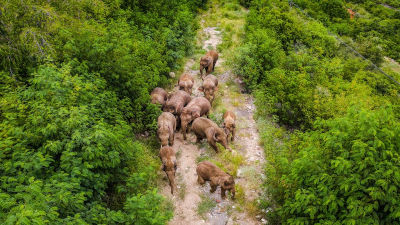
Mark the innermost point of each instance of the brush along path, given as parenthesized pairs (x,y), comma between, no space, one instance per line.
(194,204)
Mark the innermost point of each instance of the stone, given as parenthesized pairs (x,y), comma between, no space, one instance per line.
(172,74)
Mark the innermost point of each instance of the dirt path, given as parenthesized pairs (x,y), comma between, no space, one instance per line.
(194,204)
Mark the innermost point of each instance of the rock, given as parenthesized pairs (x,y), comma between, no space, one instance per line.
(264,221)
(172,74)
(219,219)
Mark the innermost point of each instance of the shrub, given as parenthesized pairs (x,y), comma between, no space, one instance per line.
(74,95)
(346,171)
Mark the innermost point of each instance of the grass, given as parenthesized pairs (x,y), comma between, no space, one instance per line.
(178,154)
(205,205)
(228,161)
(391,65)
(242,204)
(216,117)
(195,66)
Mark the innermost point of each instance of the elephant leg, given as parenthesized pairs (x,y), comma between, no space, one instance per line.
(200,180)
(184,132)
(213,188)
(201,71)
(223,193)
(209,69)
(171,139)
(198,138)
(213,145)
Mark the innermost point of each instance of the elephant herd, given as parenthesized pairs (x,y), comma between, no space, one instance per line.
(180,110)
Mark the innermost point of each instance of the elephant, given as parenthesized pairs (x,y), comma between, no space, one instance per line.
(176,102)
(159,96)
(197,107)
(205,128)
(167,156)
(186,82)
(209,87)
(229,124)
(208,62)
(207,171)
(166,128)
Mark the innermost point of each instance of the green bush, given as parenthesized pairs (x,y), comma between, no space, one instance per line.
(74,96)
(245,3)
(372,18)
(346,171)
(340,169)
(301,72)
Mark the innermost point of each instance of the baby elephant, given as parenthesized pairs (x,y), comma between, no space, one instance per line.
(159,96)
(208,62)
(207,171)
(229,124)
(199,106)
(167,155)
(205,128)
(209,87)
(166,128)
(186,82)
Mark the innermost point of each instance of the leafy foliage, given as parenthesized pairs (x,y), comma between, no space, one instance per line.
(373,20)
(300,72)
(338,166)
(75,82)
(345,171)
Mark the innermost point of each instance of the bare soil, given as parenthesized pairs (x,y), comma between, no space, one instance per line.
(249,175)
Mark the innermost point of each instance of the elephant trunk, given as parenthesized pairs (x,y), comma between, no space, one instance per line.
(171,178)
(233,192)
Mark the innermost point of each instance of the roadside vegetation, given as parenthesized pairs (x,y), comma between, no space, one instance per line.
(333,153)
(373,28)
(75,78)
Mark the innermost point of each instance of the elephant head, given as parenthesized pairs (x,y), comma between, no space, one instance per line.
(205,61)
(208,91)
(228,183)
(228,128)
(163,134)
(220,137)
(187,115)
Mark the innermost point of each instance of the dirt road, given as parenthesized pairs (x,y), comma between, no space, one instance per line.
(194,204)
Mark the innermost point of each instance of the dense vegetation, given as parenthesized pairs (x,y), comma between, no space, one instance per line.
(374,28)
(340,165)
(75,78)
